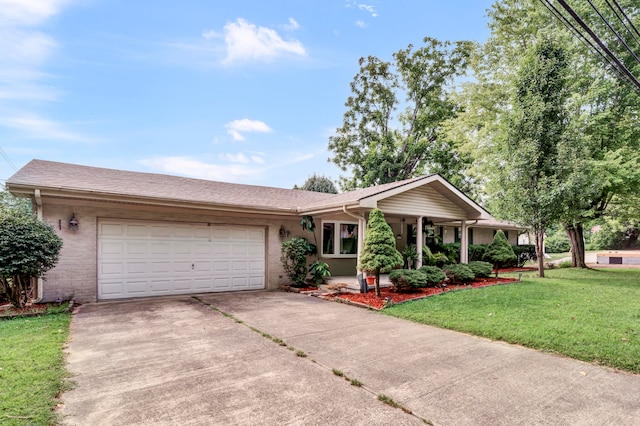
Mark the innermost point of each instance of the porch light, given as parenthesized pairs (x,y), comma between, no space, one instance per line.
(283,232)
(73,223)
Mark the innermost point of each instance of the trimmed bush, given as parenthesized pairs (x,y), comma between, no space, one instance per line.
(407,279)
(480,269)
(440,259)
(459,273)
(476,251)
(499,252)
(434,275)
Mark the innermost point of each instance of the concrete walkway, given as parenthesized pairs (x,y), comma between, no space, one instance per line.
(175,361)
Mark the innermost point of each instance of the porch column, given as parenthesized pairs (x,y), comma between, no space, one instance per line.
(419,241)
(464,243)
(362,226)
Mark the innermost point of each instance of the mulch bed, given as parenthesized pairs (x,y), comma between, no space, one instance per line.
(7,310)
(389,296)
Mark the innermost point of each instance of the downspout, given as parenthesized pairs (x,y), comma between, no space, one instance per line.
(362,224)
(39,289)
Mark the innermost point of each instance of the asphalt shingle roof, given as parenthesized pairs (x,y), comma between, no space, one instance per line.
(53,175)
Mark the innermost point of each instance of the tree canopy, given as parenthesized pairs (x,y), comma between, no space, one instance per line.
(317,183)
(392,129)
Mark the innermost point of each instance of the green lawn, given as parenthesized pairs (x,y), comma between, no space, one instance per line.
(592,315)
(32,368)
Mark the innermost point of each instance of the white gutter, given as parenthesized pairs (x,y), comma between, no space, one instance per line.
(39,289)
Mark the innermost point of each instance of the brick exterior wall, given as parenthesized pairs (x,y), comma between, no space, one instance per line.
(76,273)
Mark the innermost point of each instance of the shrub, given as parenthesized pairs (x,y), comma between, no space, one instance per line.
(410,255)
(523,253)
(28,248)
(476,251)
(558,242)
(499,252)
(407,279)
(440,259)
(379,252)
(565,264)
(459,273)
(434,275)
(452,251)
(294,258)
(480,269)
(319,270)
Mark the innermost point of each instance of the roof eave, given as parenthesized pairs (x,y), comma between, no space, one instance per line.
(28,190)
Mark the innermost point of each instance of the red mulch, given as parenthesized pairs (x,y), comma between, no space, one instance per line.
(370,299)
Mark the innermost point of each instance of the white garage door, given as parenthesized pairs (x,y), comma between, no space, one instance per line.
(138,259)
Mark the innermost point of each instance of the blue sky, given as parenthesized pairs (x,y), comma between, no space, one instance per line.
(237,91)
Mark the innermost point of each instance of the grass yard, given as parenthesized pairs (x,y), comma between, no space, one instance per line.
(32,370)
(592,315)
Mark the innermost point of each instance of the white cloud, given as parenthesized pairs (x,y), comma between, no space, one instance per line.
(35,127)
(369,8)
(257,159)
(237,127)
(360,24)
(292,25)
(24,50)
(237,158)
(187,166)
(246,42)
(28,12)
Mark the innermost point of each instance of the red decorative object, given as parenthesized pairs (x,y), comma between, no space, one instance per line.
(371,279)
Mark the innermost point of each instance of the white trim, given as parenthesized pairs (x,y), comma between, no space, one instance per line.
(336,239)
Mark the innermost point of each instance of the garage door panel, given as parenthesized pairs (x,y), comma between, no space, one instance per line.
(142,259)
(136,248)
(137,230)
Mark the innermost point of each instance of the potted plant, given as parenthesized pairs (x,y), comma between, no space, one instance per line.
(379,253)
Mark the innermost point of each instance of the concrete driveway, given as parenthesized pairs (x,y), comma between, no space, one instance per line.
(176,361)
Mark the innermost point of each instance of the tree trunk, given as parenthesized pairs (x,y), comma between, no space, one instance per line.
(378,284)
(575,232)
(540,251)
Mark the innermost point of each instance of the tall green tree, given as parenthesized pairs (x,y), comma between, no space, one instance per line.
(392,127)
(534,179)
(602,110)
(379,253)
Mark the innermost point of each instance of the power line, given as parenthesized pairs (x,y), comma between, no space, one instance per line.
(622,21)
(626,17)
(584,39)
(608,24)
(599,42)
(6,158)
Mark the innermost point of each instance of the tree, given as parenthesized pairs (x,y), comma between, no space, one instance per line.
(535,177)
(318,184)
(379,253)
(28,248)
(602,111)
(392,127)
(499,252)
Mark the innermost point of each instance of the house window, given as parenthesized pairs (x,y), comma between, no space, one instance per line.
(470,235)
(456,235)
(339,239)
